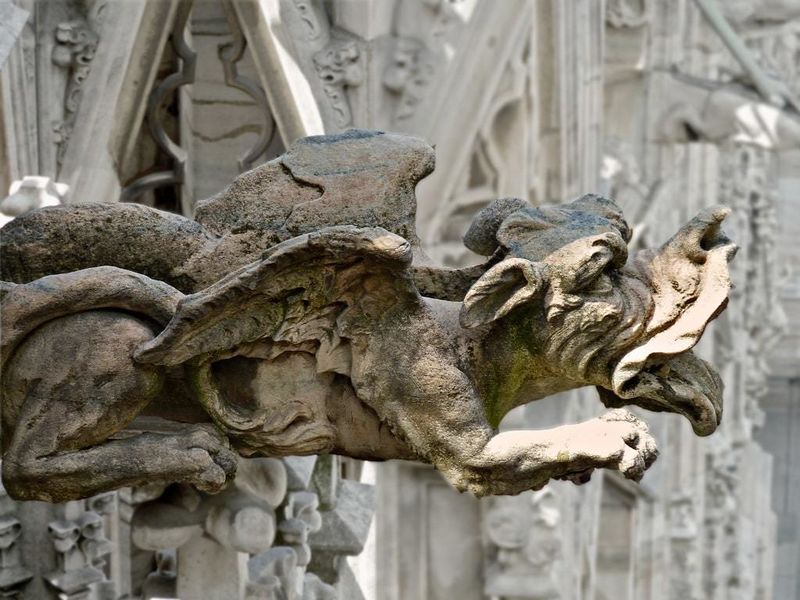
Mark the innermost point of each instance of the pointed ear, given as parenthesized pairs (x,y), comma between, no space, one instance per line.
(502,288)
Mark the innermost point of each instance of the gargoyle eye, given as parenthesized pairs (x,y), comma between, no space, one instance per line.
(593,273)
(601,284)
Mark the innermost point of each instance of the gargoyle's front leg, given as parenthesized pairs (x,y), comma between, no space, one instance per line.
(411,380)
(71,386)
(515,461)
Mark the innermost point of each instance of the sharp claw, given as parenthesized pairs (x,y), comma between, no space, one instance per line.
(632,439)
(632,465)
(650,452)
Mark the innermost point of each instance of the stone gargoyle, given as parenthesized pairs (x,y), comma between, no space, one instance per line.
(296,314)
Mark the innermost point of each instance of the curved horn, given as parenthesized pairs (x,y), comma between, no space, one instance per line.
(481,237)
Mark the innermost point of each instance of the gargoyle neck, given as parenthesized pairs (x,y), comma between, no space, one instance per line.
(509,368)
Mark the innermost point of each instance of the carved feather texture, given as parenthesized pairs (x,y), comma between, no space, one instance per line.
(294,283)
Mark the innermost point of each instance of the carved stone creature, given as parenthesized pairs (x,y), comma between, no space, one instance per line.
(297,315)
(705,110)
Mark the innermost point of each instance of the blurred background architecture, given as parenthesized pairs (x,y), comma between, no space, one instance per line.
(666,106)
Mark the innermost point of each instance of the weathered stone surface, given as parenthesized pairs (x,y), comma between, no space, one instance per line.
(322,343)
(91,235)
(361,178)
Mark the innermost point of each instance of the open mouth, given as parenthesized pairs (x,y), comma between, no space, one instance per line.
(662,374)
(684,384)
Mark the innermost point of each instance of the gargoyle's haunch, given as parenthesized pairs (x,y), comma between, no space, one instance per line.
(297,315)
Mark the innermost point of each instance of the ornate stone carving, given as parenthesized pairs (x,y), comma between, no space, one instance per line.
(213,535)
(639,199)
(408,73)
(276,575)
(339,68)
(343,529)
(13,574)
(744,187)
(230,537)
(628,13)
(722,482)
(683,547)
(769,86)
(76,44)
(779,53)
(242,518)
(309,18)
(301,517)
(526,545)
(95,546)
(425,35)
(760,108)
(76,574)
(161,583)
(281,573)
(335,340)
(499,161)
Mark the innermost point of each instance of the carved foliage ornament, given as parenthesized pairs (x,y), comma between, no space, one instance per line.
(339,67)
(292,319)
(76,44)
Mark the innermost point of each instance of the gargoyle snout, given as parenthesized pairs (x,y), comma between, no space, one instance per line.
(690,283)
(701,235)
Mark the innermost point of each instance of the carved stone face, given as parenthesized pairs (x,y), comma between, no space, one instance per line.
(688,286)
(625,324)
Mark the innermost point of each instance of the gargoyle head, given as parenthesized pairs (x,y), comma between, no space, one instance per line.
(601,317)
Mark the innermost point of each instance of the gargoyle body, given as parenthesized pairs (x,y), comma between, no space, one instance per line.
(297,315)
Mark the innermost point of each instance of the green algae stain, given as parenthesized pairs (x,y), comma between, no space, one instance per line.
(510,360)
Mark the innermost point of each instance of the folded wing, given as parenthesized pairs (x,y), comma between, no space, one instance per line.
(343,277)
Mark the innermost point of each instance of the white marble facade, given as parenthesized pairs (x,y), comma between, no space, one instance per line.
(666,106)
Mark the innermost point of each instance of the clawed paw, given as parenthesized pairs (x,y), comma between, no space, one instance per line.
(639,450)
(620,440)
(213,462)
